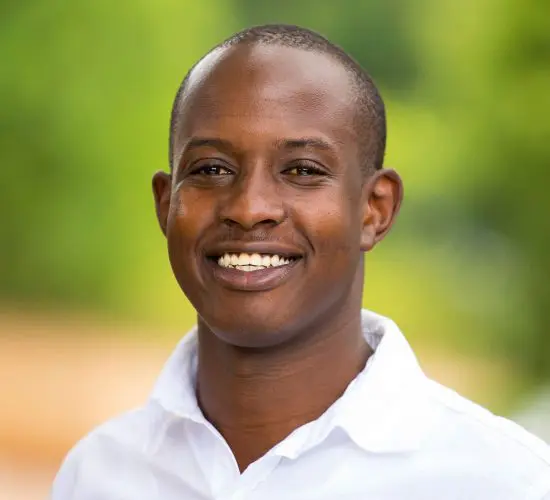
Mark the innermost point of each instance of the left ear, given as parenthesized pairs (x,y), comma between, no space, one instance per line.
(383,193)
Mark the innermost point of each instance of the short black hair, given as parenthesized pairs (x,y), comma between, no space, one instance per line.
(371,114)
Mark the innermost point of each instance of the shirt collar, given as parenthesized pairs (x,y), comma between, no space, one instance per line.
(175,387)
(382,410)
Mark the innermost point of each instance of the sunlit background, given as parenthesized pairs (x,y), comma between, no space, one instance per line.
(89,310)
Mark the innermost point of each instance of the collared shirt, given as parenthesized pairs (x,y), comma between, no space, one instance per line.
(393,435)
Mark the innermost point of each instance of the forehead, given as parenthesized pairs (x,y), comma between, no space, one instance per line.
(268,91)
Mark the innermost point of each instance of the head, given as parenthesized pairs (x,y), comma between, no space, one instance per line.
(277,142)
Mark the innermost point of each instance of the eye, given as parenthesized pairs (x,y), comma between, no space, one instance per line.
(305,170)
(211,169)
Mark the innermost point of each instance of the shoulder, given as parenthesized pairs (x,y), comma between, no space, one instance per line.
(491,445)
(133,430)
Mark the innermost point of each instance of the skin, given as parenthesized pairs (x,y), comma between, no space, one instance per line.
(265,153)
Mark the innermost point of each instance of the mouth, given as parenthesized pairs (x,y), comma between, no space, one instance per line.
(252,271)
(251,262)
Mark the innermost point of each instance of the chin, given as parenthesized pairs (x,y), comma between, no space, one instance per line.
(252,327)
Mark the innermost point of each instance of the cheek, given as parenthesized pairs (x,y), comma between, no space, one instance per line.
(334,221)
(187,219)
(333,226)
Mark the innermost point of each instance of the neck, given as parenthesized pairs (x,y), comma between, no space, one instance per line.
(257,397)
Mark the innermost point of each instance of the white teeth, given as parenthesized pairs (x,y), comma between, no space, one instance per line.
(244,259)
(251,262)
(249,268)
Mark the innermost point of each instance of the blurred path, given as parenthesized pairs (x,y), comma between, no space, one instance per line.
(59,379)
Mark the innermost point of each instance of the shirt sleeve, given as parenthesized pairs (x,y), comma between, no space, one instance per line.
(64,484)
(543,490)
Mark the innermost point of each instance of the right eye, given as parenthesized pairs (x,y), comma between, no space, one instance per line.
(211,169)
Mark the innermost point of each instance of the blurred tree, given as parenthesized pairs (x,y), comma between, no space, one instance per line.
(376,33)
(486,75)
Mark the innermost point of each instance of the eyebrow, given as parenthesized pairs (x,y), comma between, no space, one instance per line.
(304,142)
(197,142)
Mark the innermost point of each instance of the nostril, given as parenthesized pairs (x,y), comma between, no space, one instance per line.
(249,223)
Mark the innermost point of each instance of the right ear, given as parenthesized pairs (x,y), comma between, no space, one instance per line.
(162,184)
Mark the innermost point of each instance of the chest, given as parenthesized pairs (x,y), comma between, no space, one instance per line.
(336,472)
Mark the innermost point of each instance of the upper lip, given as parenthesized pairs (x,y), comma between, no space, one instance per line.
(260,247)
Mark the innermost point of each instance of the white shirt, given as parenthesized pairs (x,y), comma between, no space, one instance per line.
(393,435)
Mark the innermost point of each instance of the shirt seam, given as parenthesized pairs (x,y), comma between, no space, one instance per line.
(481,419)
(540,491)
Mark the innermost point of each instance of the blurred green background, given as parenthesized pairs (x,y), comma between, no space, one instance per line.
(86,92)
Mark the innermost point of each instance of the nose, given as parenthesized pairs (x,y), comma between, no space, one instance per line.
(254,200)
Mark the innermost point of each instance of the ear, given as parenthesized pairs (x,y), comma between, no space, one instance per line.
(383,193)
(162,183)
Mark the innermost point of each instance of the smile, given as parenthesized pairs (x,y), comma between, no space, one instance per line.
(253,262)
(252,272)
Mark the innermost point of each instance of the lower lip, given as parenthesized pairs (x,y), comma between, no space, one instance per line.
(252,281)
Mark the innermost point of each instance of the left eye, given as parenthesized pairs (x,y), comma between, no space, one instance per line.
(304,170)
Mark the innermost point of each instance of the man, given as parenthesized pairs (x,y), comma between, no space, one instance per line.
(287,389)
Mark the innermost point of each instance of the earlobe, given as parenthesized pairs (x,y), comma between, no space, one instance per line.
(161,192)
(382,201)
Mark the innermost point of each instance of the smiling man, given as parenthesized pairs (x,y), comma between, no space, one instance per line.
(287,389)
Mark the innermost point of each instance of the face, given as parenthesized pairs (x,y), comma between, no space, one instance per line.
(267,213)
